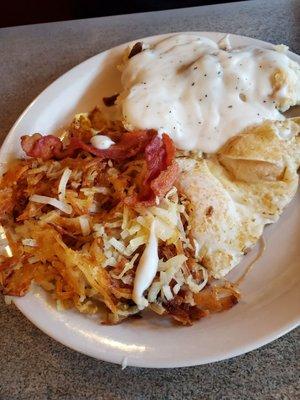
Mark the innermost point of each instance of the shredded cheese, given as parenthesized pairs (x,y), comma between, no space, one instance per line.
(127,267)
(84,225)
(176,288)
(167,292)
(194,286)
(155,288)
(29,242)
(117,245)
(66,208)
(63,184)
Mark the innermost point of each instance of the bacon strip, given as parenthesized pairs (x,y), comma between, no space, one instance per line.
(130,144)
(155,154)
(162,169)
(47,147)
(170,149)
(165,180)
(44,147)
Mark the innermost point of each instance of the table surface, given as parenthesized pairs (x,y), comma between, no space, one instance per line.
(34,366)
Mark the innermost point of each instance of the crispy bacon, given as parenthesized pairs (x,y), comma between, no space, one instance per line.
(170,149)
(162,170)
(130,144)
(44,147)
(159,154)
(47,147)
(165,180)
(155,155)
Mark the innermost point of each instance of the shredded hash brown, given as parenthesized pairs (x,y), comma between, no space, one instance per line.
(75,221)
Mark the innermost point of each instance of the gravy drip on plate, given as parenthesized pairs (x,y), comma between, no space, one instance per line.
(198,93)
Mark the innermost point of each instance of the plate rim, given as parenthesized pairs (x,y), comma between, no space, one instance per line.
(138,362)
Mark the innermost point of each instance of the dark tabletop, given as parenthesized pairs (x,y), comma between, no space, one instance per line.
(34,366)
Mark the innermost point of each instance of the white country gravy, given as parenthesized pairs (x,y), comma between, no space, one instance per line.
(200,94)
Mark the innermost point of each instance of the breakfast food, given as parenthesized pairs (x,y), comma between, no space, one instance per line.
(239,190)
(152,198)
(202,95)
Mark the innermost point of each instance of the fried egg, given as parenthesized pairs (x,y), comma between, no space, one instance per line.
(236,192)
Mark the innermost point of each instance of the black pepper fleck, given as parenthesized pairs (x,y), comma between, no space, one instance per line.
(195,67)
(193,83)
(205,74)
(206,95)
(230,106)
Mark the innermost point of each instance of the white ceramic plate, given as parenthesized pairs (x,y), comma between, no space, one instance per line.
(270,303)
